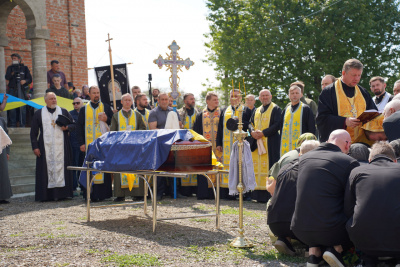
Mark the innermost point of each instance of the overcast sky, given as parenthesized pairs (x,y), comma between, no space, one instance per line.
(141,31)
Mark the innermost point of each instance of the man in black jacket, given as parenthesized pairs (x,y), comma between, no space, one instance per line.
(319,219)
(373,206)
(18,76)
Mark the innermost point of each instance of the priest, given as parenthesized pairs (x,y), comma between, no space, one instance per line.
(53,151)
(342,102)
(188,115)
(297,118)
(264,127)
(127,120)
(88,128)
(141,103)
(225,137)
(206,124)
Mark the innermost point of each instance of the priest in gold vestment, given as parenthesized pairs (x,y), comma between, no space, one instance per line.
(341,102)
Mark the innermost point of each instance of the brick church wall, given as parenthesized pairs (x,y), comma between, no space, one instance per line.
(67,43)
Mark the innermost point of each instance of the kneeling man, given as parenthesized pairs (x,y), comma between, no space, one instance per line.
(373,206)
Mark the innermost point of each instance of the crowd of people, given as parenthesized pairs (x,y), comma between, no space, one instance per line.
(332,176)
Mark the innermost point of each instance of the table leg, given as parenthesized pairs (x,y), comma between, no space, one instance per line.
(88,179)
(154,202)
(218,187)
(145,195)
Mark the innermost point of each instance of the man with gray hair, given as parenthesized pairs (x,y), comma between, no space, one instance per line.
(250,101)
(342,102)
(297,118)
(318,219)
(396,87)
(372,206)
(391,123)
(127,120)
(51,146)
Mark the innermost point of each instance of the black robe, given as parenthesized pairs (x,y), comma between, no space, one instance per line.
(99,191)
(307,121)
(274,144)
(42,193)
(328,119)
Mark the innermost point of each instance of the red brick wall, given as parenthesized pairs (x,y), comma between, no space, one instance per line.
(67,42)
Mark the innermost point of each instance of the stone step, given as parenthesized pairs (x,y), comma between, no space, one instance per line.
(14,164)
(27,155)
(16,138)
(23,180)
(19,131)
(20,189)
(23,171)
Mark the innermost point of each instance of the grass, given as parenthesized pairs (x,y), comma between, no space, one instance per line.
(82,218)
(57,223)
(51,236)
(132,260)
(66,236)
(235,211)
(61,228)
(62,264)
(201,220)
(15,235)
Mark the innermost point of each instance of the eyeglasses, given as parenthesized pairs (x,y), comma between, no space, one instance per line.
(76,103)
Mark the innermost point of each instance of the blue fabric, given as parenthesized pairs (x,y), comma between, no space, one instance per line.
(132,150)
(16,99)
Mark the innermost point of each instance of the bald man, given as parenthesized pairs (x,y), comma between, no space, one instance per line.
(319,219)
(391,123)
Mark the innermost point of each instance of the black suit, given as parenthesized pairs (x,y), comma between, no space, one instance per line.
(391,125)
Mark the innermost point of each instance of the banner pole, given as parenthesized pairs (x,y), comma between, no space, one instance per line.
(111,71)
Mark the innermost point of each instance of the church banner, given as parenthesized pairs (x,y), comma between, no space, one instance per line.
(121,83)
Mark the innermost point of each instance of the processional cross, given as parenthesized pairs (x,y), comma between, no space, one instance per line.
(174,63)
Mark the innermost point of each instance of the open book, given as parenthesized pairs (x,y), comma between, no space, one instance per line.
(368,115)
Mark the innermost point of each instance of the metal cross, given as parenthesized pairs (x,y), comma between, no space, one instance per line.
(174,64)
(53,124)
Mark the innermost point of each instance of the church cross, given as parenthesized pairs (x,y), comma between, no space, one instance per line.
(174,63)
(53,124)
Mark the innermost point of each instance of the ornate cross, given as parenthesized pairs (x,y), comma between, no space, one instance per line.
(174,63)
(53,124)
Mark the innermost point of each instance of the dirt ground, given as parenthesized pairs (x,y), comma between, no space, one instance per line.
(57,234)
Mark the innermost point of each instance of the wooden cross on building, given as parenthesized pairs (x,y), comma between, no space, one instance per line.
(174,64)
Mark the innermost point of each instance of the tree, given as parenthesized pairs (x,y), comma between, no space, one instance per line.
(272,43)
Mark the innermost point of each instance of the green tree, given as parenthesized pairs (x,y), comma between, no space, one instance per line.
(272,43)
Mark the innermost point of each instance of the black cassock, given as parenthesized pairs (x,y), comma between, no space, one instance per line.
(274,144)
(328,119)
(42,193)
(99,191)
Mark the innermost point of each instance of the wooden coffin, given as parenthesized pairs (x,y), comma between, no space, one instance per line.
(188,156)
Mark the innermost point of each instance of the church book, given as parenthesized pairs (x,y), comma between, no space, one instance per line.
(368,115)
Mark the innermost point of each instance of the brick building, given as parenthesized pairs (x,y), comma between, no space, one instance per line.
(27,27)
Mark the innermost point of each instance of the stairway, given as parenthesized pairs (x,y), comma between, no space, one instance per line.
(22,163)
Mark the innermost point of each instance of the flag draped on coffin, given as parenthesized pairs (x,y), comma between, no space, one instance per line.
(15,102)
(121,83)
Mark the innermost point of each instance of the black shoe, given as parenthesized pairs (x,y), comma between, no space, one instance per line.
(119,199)
(333,258)
(159,198)
(284,247)
(247,198)
(4,202)
(314,261)
(178,195)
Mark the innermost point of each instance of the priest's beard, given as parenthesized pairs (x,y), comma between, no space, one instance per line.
(142,106)
(96,99)
(378,93)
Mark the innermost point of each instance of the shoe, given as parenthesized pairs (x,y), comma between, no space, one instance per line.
(247,198)
(284,247)
(333,258)
(178,195)
(4,202)
(159,198)
(314,261)
(119,199)
(76,194)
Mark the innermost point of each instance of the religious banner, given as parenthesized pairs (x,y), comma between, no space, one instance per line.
(121,83)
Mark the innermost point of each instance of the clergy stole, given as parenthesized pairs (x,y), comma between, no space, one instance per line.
(145,117)
(53,138)
(350,107)
(189,180)
(261,162)
(128,180)
(228,140)
(210,129)
(292,128)
(93,131)
(382,104)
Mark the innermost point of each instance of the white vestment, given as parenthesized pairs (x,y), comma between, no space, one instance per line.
(53,138)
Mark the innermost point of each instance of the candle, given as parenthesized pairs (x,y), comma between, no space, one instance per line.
(233,88)
(244,87)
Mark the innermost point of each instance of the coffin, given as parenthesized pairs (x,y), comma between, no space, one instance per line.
(188,156)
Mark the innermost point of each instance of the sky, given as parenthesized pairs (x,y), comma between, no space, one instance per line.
(141,31)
